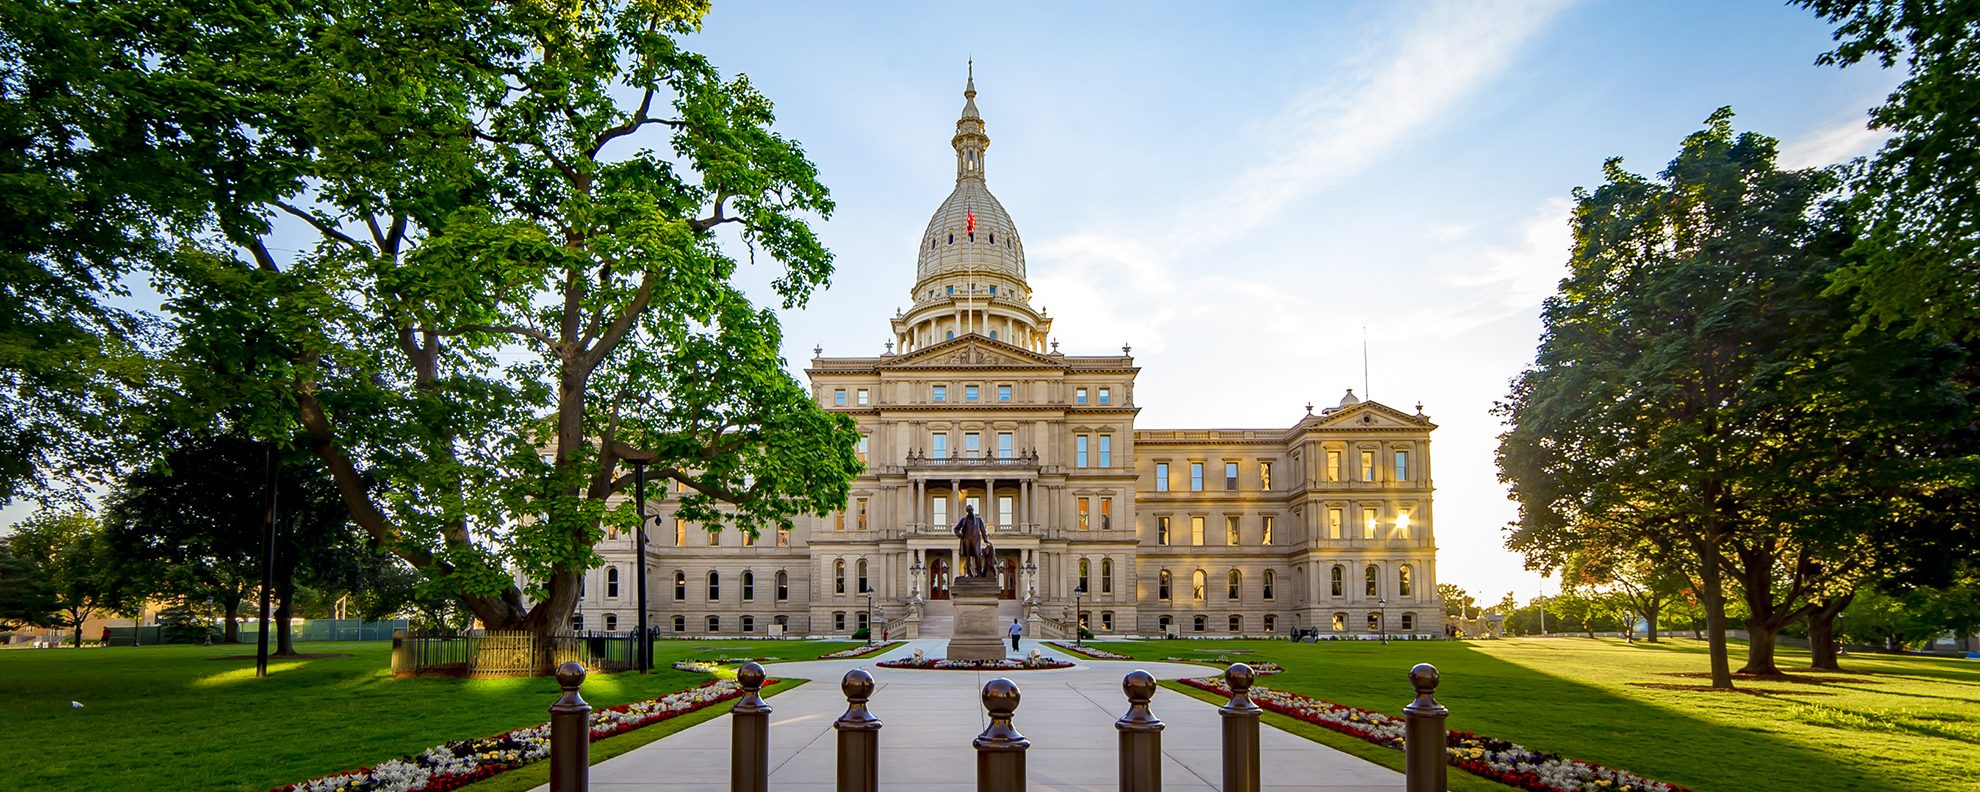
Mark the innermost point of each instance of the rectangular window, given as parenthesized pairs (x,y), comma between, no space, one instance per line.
(938,447)
(1106,450)
(1196,477)
(1367,523)
(969,393)
(1231,530)
(973,503)
(839,397)
(783,537)
(715,538)
(1265,476)
(1196,531)
(940,511)
(972,444)
(1106,514)
(862,514)
(1162,531)
(680,532)
(1402,466)
(1003,393)
(1079,451)
(1367,466)
(865,396)
(1267,538)
(941,393)
(1333,466)
(862,447)
(1334,523)
(1080,508)
(839,521)
(1161,477)
(1105,397)
(1004,449)
(1006,511)
(1079,395)
(1402,523)
(1230,476)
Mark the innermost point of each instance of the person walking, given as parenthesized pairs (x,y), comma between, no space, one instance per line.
(1016,630)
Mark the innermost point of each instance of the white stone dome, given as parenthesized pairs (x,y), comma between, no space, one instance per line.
(947,246)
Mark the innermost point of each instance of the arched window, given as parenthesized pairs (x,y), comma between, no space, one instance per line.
(714,586)
(862,578)
(1162,590)
(952,334)
(680,585)
(1085,567)
(1374,622)
(783,585)
(1271,624)
(1369,579)
(839,576)
(1404,585)
(1199,623)
(749,624)
(749,586)
(611,622)
(782,621)
(1269,580)
(1106,576)
(1338,577)
(1340,622)
(1197,581)
(1234,585)
(1163,624)
(993,333)
(611,581)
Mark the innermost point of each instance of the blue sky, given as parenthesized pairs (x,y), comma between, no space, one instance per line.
(1237,190)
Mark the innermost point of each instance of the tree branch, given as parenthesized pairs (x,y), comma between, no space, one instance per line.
(322,227)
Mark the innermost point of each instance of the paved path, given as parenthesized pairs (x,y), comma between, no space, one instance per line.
(931,716)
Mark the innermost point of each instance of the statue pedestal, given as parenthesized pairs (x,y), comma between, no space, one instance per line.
(978,634)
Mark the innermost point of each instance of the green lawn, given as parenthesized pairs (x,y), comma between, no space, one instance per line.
(1887,723)
(176,717)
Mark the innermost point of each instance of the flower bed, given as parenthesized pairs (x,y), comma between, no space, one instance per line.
(457,764)
(860,651)
(1499,760)
(941,664)
(1259,667)
(1087,652)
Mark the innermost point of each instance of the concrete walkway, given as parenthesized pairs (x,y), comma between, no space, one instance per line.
(931,716)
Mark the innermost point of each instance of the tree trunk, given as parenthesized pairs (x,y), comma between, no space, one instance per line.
(1650,620)
(1712,594)
(1822,639)
(233,633)
(78,631)
(1760,642)
(285,608)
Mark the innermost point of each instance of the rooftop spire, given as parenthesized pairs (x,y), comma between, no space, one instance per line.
(969,142)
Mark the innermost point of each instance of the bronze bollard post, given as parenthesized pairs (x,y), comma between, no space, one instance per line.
(570,734)
(1241,773)
(749,738)
(1141,736)
(1425,742)
(859,736)
(1000,748)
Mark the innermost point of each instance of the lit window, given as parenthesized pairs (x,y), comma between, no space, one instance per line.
(1106,576)
(1370,581)
(680,532)
(1197,581)
(838,521)
(1003,393)
(1196,477)
(1080,505)
(1106,397)
(938,446)
(1334,520)
(1230,476)
(1339,581)
(1106,450)
(1161,477)
(1085,572)
(1334,466)
(1106,621)
(783,537)
(862,514)
(1106,514)
(1079,395)
(969,393)
(680,586)
(1268,582)
(839,576)
(1340,622)
(1267,539)
(715,536)
(839,397)
(1405,585)
(1196,531)
(1162,586)
(1162,531)
(1367,523)
(1367,466)
(1402,524)
(748,539)
(864,396)
(1265,476)
(942,391)
(1079,451)
(1271,624)
(1231,530)
(1374,622)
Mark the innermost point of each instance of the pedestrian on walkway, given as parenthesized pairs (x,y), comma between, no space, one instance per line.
(1016,630)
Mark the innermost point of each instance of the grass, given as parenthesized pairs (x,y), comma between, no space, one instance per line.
(1888,722)
(180,717)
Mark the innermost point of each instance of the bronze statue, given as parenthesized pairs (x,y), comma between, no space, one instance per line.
(976,556)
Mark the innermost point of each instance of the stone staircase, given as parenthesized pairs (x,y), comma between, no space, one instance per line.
(938,617)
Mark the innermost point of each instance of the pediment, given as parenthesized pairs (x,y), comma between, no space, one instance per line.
(973,351)
(1370,415)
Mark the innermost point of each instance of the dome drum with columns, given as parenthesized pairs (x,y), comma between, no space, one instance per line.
(1323,525)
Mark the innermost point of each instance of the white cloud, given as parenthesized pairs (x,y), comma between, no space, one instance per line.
(1833,144)
(1517,277)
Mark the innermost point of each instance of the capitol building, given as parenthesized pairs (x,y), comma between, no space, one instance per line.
(1325,524)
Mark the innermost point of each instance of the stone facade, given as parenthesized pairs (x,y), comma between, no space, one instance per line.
(1324,524)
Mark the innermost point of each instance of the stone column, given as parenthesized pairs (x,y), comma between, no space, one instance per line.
(990,503)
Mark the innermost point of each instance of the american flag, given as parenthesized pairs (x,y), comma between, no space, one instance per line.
(969,220)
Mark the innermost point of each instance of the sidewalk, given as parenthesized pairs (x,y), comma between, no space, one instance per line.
(931,716)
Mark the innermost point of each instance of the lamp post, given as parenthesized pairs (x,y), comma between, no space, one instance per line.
(1030,582)
(1382,619)
(642,646)
(1078,621)
(869,615)
(916,569)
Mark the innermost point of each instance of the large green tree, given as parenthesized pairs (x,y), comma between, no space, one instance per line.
(1917,263)
(1696,391)
(75,563)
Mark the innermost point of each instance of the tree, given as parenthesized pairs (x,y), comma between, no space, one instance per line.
(1457,602)
(26,598)
(467,174)
(69,550)
(1917,263)
(1648,576)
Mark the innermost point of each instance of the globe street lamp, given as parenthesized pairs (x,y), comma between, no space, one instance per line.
(869,615)
(1078,620)
(1031,582)
(916,569)
(1382,619)
(642,646)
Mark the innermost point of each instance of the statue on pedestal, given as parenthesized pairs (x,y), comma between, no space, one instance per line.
(976,558)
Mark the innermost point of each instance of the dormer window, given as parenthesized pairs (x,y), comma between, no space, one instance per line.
(993,289)
(952,239)
(993,238)
(952,290)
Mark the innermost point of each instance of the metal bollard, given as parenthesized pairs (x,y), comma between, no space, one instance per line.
(1426,744)
(859,736)
(1000,748)
(749,739)
(1141,736)
(1241,772)
(570,733)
